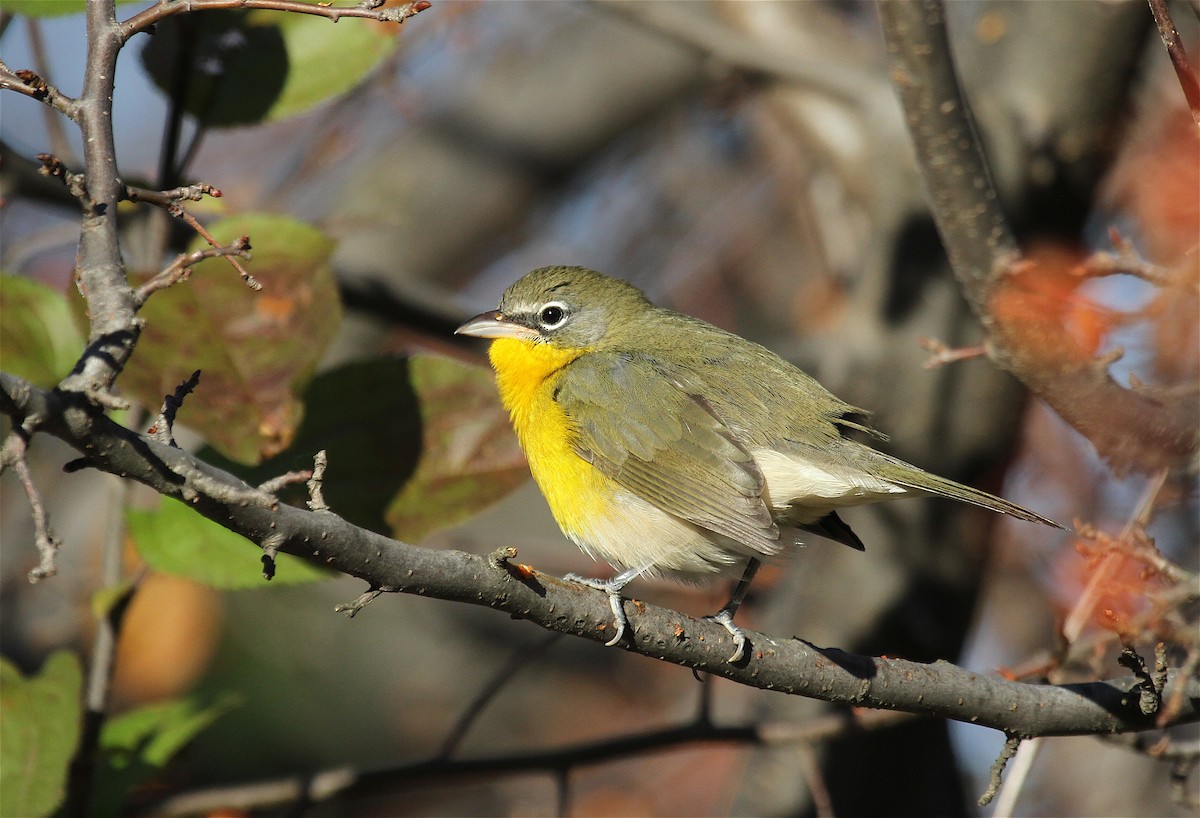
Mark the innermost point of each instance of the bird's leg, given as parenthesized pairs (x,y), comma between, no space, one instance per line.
(725,616)
(612,587)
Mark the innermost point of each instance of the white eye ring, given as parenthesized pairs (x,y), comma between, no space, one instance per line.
(553,315)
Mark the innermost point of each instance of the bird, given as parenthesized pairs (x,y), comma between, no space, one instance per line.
(669,447)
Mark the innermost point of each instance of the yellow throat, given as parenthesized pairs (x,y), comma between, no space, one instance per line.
(526,375)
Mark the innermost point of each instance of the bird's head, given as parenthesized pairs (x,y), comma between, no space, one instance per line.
(566,307)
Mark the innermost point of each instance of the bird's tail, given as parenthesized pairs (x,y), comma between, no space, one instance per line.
(909,476)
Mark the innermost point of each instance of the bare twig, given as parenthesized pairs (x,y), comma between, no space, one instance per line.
(250,280)
(943,354)
(1149,695)
(46,541)
(200,484)
(163,430)
(1175,701)
(1124,260)
(963,198)
(1179,60)
(1018,774)
(1153,744)
(1139,545)
(76,183)
(1159,678)
(170,200)
(1183,756)
(316,501)
(99,269)
(351,609)
(1181,770)
(724,44)
(810,768)
(107,400)
(997,773)
(368,8)
(32,85)
(179,269)
(291,478)
(270,547)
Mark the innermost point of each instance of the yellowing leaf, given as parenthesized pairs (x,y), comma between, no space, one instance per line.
(469,455)
(256,350)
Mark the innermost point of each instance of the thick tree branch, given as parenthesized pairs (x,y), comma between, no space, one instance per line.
(1129,429)
(99,269)
(787,665)
(962,196)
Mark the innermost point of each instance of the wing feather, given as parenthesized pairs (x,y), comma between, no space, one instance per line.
(663,441)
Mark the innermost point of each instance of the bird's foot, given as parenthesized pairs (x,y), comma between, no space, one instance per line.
(724,618)
(611,587)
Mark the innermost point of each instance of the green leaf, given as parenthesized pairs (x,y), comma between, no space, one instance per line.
(325,60)
(262,65)
(42,717)
(469,457)
(176,540)
(136,745)
(38,337)
(256,350)
(108,598)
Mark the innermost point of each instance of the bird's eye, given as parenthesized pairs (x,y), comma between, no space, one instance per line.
(552,315)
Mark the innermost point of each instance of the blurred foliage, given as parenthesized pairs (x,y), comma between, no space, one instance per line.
(365,416)
(42,716)
(49,8)
(469,454)
(176,540)
(38,339)
(413,444)
(135,746)
(240,68)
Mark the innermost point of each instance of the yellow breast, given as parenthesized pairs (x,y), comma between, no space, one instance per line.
(527,374)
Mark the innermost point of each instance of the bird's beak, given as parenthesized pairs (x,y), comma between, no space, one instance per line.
(493,324)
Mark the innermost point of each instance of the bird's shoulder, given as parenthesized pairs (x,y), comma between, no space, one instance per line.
(762,397)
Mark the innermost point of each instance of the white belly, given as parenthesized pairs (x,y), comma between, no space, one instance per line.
(807,492)
(638,534)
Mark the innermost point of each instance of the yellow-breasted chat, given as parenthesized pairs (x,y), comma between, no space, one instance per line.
(667,446)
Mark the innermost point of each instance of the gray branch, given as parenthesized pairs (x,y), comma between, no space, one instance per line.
(785,664)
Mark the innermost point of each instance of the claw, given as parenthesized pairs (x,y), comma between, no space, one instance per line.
(619,618)
(725,619)
(611,587)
